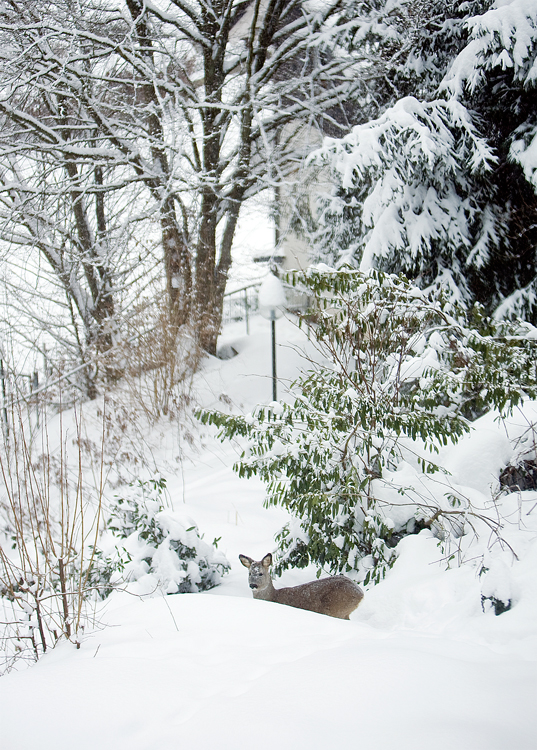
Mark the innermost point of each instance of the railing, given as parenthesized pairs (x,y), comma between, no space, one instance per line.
(239,305)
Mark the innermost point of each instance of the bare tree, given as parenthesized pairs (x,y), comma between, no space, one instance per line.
(60,193)
(198,102)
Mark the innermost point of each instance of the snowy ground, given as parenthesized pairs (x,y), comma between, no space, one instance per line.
(418,667)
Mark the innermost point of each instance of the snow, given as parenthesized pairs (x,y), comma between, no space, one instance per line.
(502,37)
(238,672)
(526,156)
(407,164)
(419,666)
(271,294)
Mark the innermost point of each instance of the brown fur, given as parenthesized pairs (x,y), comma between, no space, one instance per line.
(337,596)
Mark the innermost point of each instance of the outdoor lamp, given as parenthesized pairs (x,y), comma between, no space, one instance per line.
(272,302)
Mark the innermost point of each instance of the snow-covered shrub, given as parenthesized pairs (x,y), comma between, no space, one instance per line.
(47,526)
(400,378)
(161,549)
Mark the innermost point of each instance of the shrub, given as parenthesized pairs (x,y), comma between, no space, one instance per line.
(162,549)
(48,524)
(401,374)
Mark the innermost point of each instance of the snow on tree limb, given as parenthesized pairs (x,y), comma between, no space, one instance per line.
(503,37)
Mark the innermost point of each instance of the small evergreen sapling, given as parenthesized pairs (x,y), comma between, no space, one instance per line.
(401,377)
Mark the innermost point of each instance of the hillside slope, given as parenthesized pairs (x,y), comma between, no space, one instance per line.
(418,667)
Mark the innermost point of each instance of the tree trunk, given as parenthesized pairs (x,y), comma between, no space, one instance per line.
(177,267)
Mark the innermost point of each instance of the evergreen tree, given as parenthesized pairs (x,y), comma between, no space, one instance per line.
(438,181)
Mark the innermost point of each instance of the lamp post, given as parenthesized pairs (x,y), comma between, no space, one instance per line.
(271,306)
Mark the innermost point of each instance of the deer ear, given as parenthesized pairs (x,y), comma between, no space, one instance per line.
(246,561)
(267,561)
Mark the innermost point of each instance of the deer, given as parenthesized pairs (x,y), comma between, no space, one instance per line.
(336,596)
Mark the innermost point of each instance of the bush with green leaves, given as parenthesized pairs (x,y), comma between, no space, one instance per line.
(400,376)
(160,549)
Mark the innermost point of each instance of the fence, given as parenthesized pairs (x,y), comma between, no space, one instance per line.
(241,304)
(19,389)
(16,389)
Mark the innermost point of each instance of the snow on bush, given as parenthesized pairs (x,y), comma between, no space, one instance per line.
(503,37)
(161,550)
(353,456)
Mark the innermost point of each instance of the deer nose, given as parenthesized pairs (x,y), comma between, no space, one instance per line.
(253,585)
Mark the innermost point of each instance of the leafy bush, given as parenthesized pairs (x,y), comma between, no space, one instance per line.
(401,377)
(162,549)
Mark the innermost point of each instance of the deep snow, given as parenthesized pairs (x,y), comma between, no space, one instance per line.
(418,667)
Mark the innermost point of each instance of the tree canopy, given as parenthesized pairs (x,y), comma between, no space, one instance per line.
(145,126)
(440,182)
